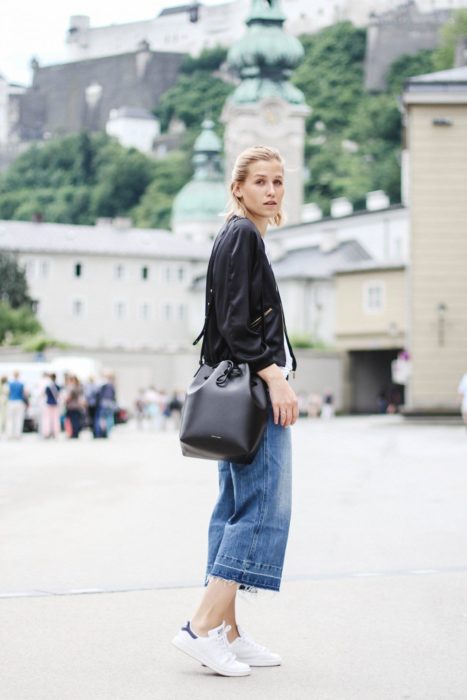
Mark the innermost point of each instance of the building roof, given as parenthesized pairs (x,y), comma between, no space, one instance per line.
(453,75)
(132,113)
(106,240)
(445,86)
(315,263)
(178,9)
(369,266)
(307,226)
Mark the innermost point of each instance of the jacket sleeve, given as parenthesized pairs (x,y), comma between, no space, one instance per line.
(233,271)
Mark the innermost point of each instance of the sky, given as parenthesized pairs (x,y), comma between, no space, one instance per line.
(38,28)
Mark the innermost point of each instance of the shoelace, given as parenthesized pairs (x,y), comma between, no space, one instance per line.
(224,642)
(252,643)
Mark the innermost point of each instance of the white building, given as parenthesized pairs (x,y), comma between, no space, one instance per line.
(134,127)
(192,27)
(109,287)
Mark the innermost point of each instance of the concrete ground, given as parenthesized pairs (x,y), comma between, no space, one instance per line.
(102,548)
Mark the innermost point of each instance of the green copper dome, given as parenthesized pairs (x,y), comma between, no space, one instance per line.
(204,196)
(266,56)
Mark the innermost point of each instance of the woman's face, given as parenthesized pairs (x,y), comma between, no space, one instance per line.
(263,190)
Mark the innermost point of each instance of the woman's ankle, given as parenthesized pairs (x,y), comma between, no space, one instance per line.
(201,626)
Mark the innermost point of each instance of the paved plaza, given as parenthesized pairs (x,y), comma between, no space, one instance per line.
(102,552)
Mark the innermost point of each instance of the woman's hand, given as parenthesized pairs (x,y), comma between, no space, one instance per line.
(283,398)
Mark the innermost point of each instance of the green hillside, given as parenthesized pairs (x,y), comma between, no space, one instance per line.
(352,138)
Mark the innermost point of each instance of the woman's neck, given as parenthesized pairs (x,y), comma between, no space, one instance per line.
(260,222)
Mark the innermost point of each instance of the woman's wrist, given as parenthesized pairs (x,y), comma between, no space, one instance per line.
(271,374)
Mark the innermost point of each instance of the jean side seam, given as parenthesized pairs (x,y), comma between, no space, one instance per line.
(265,490)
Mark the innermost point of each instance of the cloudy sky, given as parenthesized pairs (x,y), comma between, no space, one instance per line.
(38,27)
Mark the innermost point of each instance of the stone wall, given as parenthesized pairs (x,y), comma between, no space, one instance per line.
(318,370)
(404,30)
(69,97)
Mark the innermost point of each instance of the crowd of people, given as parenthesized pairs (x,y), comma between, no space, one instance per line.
(316,405)
(68,407)
(155,409)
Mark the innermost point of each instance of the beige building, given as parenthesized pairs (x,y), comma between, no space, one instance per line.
(436,135)
(371,327)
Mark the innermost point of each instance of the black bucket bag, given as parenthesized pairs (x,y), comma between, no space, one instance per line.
(225,410)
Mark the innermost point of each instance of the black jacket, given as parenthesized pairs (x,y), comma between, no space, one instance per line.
(244,317)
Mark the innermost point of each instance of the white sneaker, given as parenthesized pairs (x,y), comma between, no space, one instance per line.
(213,651)
(252,653)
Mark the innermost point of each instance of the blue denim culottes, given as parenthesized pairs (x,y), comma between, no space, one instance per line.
(249,526)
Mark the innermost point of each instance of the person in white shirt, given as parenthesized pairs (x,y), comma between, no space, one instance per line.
(462,391)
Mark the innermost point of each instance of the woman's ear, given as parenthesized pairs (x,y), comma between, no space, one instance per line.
(237,191)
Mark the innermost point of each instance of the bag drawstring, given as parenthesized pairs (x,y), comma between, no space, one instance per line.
(230,371)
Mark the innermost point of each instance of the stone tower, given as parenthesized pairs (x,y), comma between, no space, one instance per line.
(266,108)
(197,208)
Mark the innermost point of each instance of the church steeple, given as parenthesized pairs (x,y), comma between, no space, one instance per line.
(196,208)
(207,161)
(266,56)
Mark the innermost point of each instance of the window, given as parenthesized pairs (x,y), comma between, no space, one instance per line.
(29,269)
(78,269)
(120,309)
(181,274)
(181,312)
(167,274)
(145,273)
(167,310)
(77,308)
(373,297)
(44,268)
(119,272)
(145,311)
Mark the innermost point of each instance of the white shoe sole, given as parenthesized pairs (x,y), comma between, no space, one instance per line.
(258,663)
(188,649)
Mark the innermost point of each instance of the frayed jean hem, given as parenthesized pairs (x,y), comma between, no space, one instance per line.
(249,576)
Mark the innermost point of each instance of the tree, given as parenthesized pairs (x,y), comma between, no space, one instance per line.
(208,60)
(13,284)
(406,66)
(74,180)
(122,183)
(454,29)
(154,209)
(331,74)
(192,98)
(17,323)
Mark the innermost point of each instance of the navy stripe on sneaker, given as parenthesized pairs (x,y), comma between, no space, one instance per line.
(188,629)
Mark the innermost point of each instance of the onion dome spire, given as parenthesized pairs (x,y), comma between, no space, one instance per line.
(266,56)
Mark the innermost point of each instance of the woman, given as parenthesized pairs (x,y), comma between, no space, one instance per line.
(50,413)
(250,523)
(4,392)
(75,405)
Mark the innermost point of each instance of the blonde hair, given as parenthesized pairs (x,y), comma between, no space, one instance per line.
(240,173)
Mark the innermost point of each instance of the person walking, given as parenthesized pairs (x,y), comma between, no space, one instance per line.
(105,407)
(462,391)
(91,391)
(16,407)
(51,410)
(75,405)
(4,391)
(249,526)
